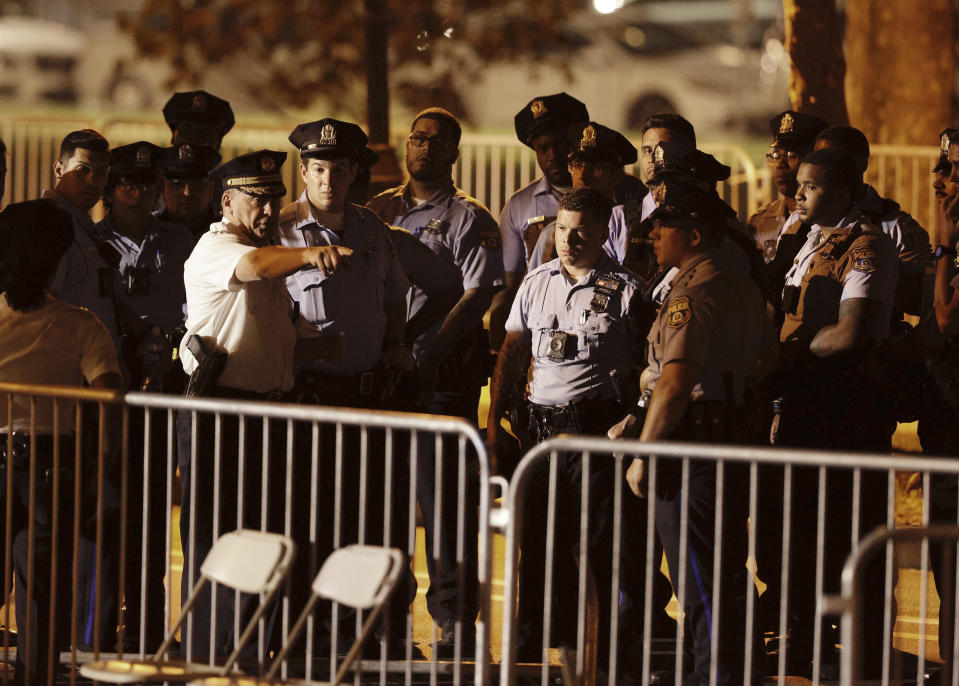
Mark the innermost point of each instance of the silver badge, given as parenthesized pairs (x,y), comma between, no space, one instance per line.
(328,135)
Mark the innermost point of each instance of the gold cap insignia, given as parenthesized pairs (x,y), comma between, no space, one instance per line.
(659,156)
(944,143)
(589,137)
(328,135)
(199,102)
(185,153)
(267,163)
(143,156)
(538,108)
(787,123)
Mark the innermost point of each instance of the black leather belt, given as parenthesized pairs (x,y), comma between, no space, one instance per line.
(242,394)
(44,444)
(329,386)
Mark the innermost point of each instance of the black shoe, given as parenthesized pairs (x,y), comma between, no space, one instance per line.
(446,646)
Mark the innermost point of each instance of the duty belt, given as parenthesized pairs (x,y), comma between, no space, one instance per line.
(578,416)
(20,449)
(327,387)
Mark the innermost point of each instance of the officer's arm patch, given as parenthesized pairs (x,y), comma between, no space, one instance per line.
(490,239)
(678,312)
(864,260)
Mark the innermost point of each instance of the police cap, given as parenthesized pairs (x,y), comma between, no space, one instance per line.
(946,138)
(255,173)
(548,113)
(687,205)
(795,130)
(367,158)
(671,160)
(592,141)
(199,107)
(188,161)
(328,139)
(136,161)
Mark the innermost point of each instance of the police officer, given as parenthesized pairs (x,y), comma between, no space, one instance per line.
(794,134)
(148,280)
(937,415)
(452,358)
(542,125)
(84,277)
(151,253)
(838,301)
(709,342)
(187,187)
(237,305)
(47,341)
(596,161)
(911,239)
(576,316)
(198,117)
(364,307)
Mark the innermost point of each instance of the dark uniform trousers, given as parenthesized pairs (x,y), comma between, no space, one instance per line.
(211,497)
(826,409)
(453,587)
(937,433)
(34,647)
(592,417)
(358,489)
(697,508)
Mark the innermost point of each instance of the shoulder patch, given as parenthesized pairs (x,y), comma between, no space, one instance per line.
(678,312)
(864,260)
(490,239)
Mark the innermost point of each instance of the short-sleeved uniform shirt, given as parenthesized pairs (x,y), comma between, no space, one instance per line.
(58,344)
(249,320)
(454,226)
(768,221)
(162,254)
(595,321)
(77,279)
(828,271)
(714,316)
(538,199)
(912,241)
(354,301)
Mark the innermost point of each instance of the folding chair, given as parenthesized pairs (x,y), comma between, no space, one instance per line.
(245,560)
(361,576)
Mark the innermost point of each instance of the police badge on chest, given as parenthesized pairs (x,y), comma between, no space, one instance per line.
(558,343)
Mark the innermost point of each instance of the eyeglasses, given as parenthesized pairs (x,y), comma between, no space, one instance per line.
(597,167)
(777,155)
(419,140)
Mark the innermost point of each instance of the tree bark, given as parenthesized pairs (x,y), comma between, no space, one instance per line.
(814,43)
(901,62)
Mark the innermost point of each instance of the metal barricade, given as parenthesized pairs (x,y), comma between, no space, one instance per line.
(801,512)
(325,476)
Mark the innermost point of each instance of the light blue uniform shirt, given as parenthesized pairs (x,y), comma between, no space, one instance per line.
(454,226)
(538,199)
(353,301)
(164,250)
(597,342)
(77,280)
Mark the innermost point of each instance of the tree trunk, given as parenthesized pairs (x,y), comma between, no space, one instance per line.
(818,68)
(386,173)
(900,81)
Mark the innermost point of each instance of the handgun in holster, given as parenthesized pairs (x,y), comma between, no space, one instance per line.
(210,365)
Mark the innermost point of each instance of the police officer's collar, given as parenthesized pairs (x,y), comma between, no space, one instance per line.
(695,262)
(440,197)
(604,264)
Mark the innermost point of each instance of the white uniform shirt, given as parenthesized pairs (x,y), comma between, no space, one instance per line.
(250,321)
(59,344)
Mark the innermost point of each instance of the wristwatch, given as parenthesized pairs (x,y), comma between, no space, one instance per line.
(944,251)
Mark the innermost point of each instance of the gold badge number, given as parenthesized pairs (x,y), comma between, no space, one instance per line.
(678,312)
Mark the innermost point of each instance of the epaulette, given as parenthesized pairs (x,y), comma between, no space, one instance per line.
(470,201)
(288,213)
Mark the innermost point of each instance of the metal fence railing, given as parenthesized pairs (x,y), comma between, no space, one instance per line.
(100,501)
(759,535)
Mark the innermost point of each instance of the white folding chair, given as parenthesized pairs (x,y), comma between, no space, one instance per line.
(361,576)
(245,560)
